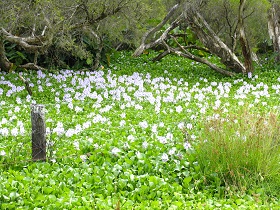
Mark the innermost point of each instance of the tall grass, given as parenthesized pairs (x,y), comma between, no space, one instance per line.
(242,149)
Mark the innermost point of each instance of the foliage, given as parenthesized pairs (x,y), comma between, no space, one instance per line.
(117,136)
(78,31)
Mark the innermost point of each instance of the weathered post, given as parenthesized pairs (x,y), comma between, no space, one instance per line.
(38,133)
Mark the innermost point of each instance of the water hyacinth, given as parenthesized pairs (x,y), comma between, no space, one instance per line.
(164,157)
(115,151)
(2,153)
(127,115)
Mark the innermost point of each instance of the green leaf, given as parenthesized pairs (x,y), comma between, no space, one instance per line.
(187,181)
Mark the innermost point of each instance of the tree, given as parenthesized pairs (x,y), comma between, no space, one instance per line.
(235,30)
(64,33)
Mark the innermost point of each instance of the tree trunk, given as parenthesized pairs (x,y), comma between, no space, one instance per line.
(246,50)
(5,64)
(274,28)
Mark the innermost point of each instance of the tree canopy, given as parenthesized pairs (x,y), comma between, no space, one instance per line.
(41,34)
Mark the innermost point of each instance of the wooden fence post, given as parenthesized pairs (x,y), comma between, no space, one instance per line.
(38,133)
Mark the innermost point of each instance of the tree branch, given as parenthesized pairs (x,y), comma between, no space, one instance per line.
(210,40)
(188,55)
(30,44)
(173,25)
(32,66)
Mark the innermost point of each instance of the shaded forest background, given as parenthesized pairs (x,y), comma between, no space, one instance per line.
(44,34)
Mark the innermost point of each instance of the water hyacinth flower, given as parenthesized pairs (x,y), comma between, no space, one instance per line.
(2,153)
(143,124)
(14,131)
(115,151)
(83,157)
(249,75)
(76,145)
(172,151)
(162,139)
(187,145)
(145,145)
(189,126)
(181,125)
(122,123)
(164,157)
(179,109)
(131,138)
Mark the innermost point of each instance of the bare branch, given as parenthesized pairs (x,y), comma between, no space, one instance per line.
(188,55)
(144,46)
(30,44)
(32,66)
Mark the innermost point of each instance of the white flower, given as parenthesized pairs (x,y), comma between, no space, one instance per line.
(131,138)
(115,151)
(187,145)
(169,136)
(179,109)
(83,157)
(17,109)
(14,131)
(214,83)
(126,146)
(249,75)
(143,124)
(164,157)
(139,155)
(240,103)
(78,109)
(70,106)
(154,128)
(145,145)
(181,125)
(162,139)
(172,151)
(2,153)
(189,126)
(122,123)
(161,124)
(138,107)
(86,124)
(76,145)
